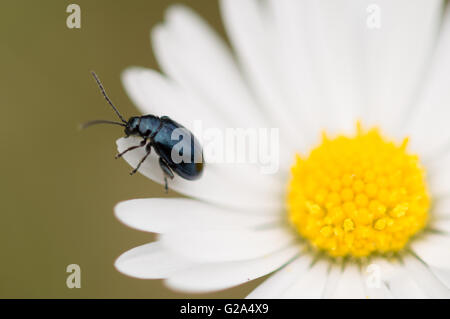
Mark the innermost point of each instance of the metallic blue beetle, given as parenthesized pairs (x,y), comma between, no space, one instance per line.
(158,133)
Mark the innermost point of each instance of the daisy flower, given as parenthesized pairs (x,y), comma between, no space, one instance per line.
(360,205)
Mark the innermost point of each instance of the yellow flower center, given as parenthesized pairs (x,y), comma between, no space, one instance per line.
(354,196)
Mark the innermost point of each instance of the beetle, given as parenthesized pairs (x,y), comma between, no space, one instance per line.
(158,133)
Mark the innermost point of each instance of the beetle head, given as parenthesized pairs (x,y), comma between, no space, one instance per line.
(132,127)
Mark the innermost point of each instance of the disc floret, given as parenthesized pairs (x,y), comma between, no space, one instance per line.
(354,196)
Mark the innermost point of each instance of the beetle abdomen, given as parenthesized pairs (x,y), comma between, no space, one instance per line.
(180,149)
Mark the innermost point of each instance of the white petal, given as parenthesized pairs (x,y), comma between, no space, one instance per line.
(399,282)
(433,249)
(441,207)
(275,285)
(337,46)
(439,178)
(217,276)
(425,279)
(294,59)
(442,274)
(227,245)
(212,186)
(397,56)
(248,30)
(311,284)
(166,215)
(438,173)
(334,274)
(192,54)
(150,261)
(381,292)
(439,181)
(350,284)
(441,225)
(429,126)
(413,279)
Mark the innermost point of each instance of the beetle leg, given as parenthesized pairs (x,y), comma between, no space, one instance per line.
(148,148)
(167,173)
(143,142)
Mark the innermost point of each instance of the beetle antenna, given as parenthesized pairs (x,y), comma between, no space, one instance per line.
(106,96)
(90,123)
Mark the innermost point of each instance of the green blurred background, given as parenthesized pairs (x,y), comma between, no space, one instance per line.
(59,184)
